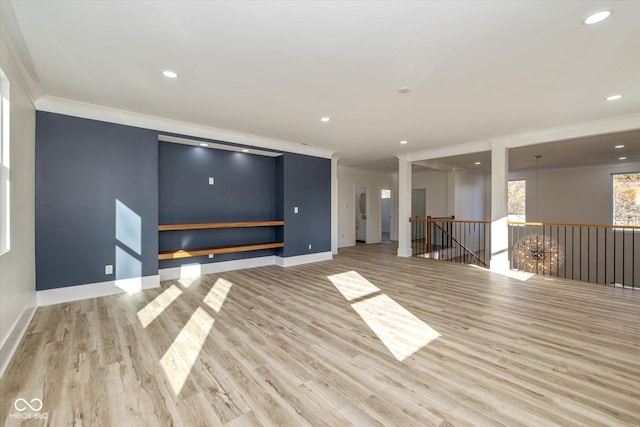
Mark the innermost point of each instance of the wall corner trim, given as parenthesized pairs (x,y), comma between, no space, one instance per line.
(96,290)
(10,345)
(303,259)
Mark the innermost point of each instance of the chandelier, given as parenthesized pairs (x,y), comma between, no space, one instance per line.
(539,254)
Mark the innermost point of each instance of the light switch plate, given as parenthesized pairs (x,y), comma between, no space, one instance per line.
(295,209)
(211,181)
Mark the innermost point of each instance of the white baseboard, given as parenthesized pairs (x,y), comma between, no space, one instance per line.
(10,344)
(195,270)
(303,259)
(95,290)
(405,252)
(344,243)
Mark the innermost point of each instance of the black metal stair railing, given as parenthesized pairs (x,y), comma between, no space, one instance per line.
(450,239)
(587,252)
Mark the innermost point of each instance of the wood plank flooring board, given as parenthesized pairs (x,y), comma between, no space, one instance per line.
(278,347)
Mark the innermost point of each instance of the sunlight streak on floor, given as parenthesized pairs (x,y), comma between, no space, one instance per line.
(189,273)
(402,332)
(352,285)
(218,293)
(398,329)
(179,359)
(152,310)
(514,274)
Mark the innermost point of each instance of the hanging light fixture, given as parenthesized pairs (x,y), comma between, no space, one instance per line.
(537,253)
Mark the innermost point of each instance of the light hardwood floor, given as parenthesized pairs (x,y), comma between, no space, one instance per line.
(365,339)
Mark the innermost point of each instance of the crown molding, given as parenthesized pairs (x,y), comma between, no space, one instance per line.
(163,125)
(14,50)
(576,130)
(559,133)
(449,150)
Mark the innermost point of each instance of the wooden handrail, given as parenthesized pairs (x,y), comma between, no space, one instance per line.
(201,226)
(447,220)
(556,224)
(469,251)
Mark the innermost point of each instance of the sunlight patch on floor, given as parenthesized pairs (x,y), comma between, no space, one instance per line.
(152,310)
(352,285)
(179,359)
(399,330)
(218,293)
(514,274)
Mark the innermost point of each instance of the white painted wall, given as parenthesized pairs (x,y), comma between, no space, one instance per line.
(436,184)
(17,267)
(469,196)
(348,179)
(453,193)
(573,195)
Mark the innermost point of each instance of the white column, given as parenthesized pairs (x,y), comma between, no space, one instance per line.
(499,202)
(334,205)
(404,207)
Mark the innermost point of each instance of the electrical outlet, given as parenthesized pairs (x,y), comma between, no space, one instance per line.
(210,255)
(295,209)
(309,245)
(211,181)
(108,269)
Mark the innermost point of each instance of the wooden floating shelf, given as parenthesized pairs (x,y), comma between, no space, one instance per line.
(202,226)
(187,253)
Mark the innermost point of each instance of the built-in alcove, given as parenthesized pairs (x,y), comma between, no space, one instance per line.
(216,204)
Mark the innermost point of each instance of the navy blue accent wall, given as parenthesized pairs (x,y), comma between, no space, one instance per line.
(102,189)
(96,201)
(306,184)
(244,190)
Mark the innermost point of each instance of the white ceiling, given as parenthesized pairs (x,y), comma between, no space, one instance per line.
(476,69)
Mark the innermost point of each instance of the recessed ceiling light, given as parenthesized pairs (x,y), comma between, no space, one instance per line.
(622,158)
(170,74)
(477,163)
(204,144)
(403,142)
(404,89)
(613,97)
(244,150)
(597,17)
(619,146)
(325,119)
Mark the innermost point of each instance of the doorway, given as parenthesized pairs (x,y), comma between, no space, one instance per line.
(361,214)
(385,214)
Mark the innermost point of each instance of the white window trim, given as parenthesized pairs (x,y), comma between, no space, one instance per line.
(5,175)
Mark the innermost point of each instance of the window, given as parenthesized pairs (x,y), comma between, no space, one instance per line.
(626,199)
(4,165)
(517,200)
